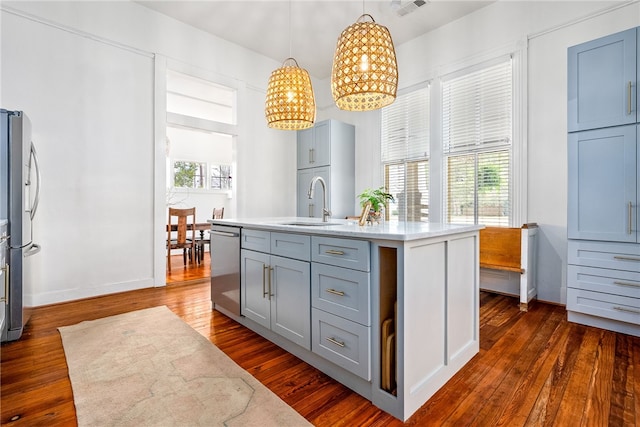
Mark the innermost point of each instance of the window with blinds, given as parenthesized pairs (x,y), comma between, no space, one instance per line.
(477,150)
(405,155)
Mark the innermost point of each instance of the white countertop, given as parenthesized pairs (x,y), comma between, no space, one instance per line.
(389,230)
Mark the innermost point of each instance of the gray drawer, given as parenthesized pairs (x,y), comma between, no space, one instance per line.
(256,240)
(296,246)
(615,282)
(341,291)
(616,256)
(609,306)
(341,252)
(342,342)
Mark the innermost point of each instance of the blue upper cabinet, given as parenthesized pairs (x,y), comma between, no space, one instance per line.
(602,82)
(602,196)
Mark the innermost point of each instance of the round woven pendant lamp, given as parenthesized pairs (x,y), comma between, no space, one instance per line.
(290,104)
(365,71)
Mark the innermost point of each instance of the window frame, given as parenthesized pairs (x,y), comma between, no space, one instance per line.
(407,159)
(478,148)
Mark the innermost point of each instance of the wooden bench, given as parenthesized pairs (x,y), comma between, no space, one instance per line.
(508,261)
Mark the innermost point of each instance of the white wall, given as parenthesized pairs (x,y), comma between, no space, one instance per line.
(92,108)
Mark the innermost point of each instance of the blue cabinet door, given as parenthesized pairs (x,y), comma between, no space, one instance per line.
(314,146)
(291,300)
(602,82)
(254,287)
(602,191)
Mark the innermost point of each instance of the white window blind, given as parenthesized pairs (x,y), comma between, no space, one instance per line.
(477,133)
(405,155)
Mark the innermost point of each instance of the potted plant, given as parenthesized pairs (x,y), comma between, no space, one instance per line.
(378,199)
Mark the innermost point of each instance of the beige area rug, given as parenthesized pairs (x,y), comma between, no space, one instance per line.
(149,368)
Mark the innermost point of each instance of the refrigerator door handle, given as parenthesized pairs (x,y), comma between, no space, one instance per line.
(36,199)
(6,284)
(33,249)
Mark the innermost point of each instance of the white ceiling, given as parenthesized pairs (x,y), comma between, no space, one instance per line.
(263,25)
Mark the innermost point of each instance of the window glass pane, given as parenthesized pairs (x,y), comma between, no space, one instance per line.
(189,174)
(196,97)
(221,177)
(460,192)
(478,189)
(409,185)
(476,108)
(494,206)
(405,127)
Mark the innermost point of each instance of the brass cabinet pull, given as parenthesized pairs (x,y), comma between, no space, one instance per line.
(335,341)
(629,97)
(312,151)
(631,285)
(630,219)
(624,309)
(333,252)
(270,273)
(310,210)
(334,292)
(264,292)
(626,258)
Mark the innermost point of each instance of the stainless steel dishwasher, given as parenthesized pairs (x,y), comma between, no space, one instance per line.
(225,268)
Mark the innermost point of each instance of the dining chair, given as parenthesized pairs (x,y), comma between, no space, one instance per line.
(181,239)
(217,213)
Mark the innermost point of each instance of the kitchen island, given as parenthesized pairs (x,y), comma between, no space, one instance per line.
(389,310)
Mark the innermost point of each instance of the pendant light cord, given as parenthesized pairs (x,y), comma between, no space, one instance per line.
(290,38)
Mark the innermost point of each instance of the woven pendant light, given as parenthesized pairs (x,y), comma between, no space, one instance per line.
(290,104)
(365,71)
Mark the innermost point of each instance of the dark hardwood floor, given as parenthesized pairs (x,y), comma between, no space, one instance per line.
(533,368)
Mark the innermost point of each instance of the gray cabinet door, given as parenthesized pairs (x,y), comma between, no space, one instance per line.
(602,85)
(254,287)
(314,146)
(305,147)
(602,193)
(291,300)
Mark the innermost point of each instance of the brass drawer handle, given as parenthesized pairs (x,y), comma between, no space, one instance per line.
(624,309)
(626,258)
(632,285)
(334,252)
(335,341)
(334,292)
(265,268)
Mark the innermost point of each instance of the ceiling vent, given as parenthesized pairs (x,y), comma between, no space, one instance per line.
(404,9)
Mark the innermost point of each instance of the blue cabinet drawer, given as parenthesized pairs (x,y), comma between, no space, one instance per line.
(342,342)
(296,246)
(256,240)
(614,282)
(341,252)
(609,306)
(611,255)
(341,291)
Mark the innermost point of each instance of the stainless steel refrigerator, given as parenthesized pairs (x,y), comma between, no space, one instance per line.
(19,195)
